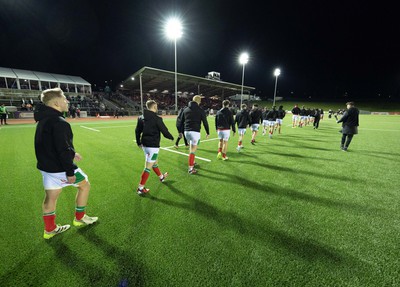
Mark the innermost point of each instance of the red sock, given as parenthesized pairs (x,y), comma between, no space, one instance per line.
(224,155)
(240,143)
(191,159)
(156,170)
(79,212)
(49,221)
(144,177)
(219,149)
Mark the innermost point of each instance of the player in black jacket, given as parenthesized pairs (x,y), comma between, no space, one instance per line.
(179,127)
(191,120)
(295,116)
(223,124)
(148,138)
(255,120)
(279,120)
(55,154)
(272,115)
(242,119)
(349,122)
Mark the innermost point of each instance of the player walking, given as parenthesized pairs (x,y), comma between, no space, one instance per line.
(191,120)
(223,124)
(55,154)
(255,120)
(147,132)
(242,119)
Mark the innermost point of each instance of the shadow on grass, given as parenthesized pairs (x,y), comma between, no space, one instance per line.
(293,171)
(130,271)
(261,231)
(276,190)
(28,272)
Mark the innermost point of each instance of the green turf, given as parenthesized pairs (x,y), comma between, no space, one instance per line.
(290,211)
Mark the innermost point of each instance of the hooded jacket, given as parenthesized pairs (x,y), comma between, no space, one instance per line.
(224,120)
(242,119)
(192,117)
(255,116)
(53,141)
(148,130)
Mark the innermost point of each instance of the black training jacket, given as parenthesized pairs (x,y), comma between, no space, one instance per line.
(53,141)
(224,120)
(192,117)
(255,116)
(148,130)
(242,119)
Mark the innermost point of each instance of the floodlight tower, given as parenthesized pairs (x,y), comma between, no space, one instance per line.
(277,72)
(173,30)
(243,59)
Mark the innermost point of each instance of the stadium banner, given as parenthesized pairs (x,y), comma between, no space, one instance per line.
(83,114)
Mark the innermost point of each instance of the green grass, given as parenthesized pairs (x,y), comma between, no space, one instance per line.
(291,211)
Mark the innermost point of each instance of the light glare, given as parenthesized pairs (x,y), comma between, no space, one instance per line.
(277,72)
(173,28)
(244,58)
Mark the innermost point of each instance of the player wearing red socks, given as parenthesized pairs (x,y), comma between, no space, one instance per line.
(148,138)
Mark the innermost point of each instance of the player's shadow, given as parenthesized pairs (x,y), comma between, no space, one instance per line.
(28,272)
(276,190)
(292,171)
(300,156)
(260,231)
(130,270)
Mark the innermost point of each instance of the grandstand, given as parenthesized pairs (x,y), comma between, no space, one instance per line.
(158,84)
(20,90)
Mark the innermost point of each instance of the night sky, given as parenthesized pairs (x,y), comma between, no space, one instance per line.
(325,49)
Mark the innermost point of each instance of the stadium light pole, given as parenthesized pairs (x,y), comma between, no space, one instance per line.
(173,31)
(243,59)
(277,72)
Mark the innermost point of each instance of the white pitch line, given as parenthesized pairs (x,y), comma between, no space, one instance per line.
(111,127)
(90,129)
(178,152)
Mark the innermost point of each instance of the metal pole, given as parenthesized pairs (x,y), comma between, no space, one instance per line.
(241,94)
(276,83)
(141,93)
(176,82)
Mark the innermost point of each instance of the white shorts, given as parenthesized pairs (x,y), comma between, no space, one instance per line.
(279,121)
(192,137)
(224,134)
(271,123)
(255,127)
(151,153)
(57,180)
(241,131)
(295,117)
(265,123)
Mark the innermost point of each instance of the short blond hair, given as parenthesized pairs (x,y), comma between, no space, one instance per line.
(150,104)
(50,94)
(197,99)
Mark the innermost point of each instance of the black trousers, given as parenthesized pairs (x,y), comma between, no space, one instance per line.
(3,117)
(316,122)
(184,138)
(346,140)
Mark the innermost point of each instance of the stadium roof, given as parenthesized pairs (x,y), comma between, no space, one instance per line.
(162,80)
(41,76)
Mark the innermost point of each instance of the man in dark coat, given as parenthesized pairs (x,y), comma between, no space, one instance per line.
(148,129)
(191,120)
(349,122)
